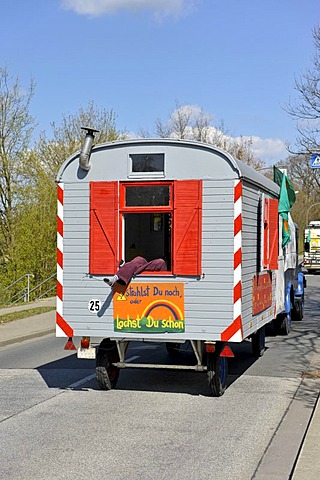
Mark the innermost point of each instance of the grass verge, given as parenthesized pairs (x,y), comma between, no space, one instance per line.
(10,317)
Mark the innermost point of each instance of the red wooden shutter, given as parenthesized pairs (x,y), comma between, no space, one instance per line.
(273,234)
(103,227)
(187,225)
(265,233)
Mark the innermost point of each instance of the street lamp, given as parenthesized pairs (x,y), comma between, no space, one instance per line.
(307,217)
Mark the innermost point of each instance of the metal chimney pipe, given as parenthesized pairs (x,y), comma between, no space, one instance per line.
(86,148)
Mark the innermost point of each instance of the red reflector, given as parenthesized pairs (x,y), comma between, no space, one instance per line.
(210,347)
(70,345)
(226,352)
(85,342)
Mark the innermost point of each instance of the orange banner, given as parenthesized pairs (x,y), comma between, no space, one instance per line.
(150,308)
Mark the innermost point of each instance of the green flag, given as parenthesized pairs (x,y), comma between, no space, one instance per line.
(309,236)
(286,200)
(278,177)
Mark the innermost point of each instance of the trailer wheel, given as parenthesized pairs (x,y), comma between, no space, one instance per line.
(217,372)
(107,374)
(297,312)
(284,323)
(258,343)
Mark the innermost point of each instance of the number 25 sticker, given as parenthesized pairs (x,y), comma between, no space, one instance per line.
(94,305)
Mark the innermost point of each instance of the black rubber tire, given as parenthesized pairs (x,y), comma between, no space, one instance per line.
(297,312)
(283,324)
(217,372)
(258,342)
(271,328)
(107,374)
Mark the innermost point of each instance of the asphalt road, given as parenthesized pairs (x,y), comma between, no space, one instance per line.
(56,424)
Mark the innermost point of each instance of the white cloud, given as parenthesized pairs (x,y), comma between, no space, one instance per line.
(270,150)
(107,7)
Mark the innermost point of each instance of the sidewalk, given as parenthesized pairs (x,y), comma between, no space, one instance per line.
(307,464)
(30,327)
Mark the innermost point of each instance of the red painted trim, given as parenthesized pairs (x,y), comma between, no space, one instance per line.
(60,194)
(237,224)
(143,208)
(232,329)
(237,292)
(238,191)
(65,327)
(237,258)
(146,209)
(59,290)
(59,258)
(60,227)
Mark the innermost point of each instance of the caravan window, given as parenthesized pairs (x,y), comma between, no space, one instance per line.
(142,165)
(152,219)
(146,220)
(148,196)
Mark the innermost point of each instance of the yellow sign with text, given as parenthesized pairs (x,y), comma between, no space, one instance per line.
(149,308)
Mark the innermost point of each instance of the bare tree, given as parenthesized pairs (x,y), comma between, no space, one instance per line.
(307,110)
(202,126)
(306,178)
(179,123)
(193,123)
(241,148)
(306,182)
(163,130)
(143,133)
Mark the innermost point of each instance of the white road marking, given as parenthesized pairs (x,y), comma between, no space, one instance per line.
(82,381)
(93,375)
(132,358)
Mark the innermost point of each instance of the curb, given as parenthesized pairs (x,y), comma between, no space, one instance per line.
(27,336)
(305,466)
(283,454)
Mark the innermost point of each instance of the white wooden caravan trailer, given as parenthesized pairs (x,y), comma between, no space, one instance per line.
(211,217)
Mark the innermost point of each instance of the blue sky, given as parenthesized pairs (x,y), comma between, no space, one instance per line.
(236,59)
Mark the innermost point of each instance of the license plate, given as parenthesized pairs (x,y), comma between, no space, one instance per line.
(88,353)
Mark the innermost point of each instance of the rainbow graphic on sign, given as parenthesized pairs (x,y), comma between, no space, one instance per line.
(150,308)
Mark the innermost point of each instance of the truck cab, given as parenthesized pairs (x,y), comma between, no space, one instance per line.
(311,257)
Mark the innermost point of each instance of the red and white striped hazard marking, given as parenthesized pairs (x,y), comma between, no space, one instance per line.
(234,332)
(62,328)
